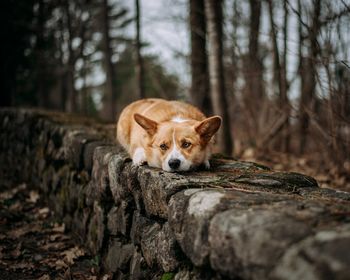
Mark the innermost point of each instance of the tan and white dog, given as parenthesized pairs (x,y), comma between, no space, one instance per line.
(171,135)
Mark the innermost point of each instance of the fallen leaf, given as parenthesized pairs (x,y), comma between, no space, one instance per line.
(17,206)
(58,237)
(45,277)
(322,178)
(59,227)
(11,193)
(17,252)
(22,266)
(67,274)
(33,197)
(54,246)
(106,277)
(44,212)
(60,264)
(71,254)
(18,232)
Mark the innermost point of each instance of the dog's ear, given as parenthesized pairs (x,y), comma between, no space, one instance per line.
(147,124)
(207,128)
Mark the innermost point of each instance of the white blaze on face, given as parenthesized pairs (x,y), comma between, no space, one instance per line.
(176,154)
(178,120)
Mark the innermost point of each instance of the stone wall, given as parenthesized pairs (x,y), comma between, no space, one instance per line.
(240,220)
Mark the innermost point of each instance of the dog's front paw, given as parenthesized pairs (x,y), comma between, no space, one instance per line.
(139,157)
(207,165)
(139,162)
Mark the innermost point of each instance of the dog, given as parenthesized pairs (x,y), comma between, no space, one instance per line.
(171,135)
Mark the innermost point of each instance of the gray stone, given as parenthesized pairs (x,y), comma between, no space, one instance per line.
(139,224)
(131,190)
(118,255)
(158,186)
(335,196)
(136,264)
(119,220)
(277,180)
(91,194)
(168,252)
(48,176)
(158,243)
(99,188)
(80,222)
(248,242)
(149,238)
(74,143)
(118,184)
(189,216)
(96,230)
(183,275)
(103,154)
(324,255)
(221,164)
(88,153)
(194,273)
(190,212)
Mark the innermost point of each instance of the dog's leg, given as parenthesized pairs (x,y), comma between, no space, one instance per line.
(139,157)
(207,164)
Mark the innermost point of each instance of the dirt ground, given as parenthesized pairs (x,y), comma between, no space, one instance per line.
(33,245)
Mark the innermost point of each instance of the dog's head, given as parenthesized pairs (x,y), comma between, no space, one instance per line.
(178,145)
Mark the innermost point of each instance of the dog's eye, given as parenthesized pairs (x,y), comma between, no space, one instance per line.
(163,147)
(186,144)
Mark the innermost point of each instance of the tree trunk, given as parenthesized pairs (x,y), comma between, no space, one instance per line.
(139,63)
(71,104)
(308,73)
(40,54)
(285,83)
(109,99)
(253,68)
(213,12)
(84,89)
(199,66)
(280,75)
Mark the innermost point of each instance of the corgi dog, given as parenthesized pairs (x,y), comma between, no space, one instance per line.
(171,135)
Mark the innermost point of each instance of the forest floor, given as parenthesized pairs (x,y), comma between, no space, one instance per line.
(33,245)
(327,175)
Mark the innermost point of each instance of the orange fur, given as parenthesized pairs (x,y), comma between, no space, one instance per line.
(166,134)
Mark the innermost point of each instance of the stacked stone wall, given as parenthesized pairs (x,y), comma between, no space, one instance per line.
(240,220)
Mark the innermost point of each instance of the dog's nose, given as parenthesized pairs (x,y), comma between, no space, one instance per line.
(174,163)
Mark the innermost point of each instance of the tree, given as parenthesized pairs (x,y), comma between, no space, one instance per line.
(308,71)
(213,12)
(139,64)
(16,31)
(71,105)
(67,31)
(280,73)
(199,66)
(253,70)
(158,82)
(108,111)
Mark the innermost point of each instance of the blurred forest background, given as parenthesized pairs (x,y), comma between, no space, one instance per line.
(277,71)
